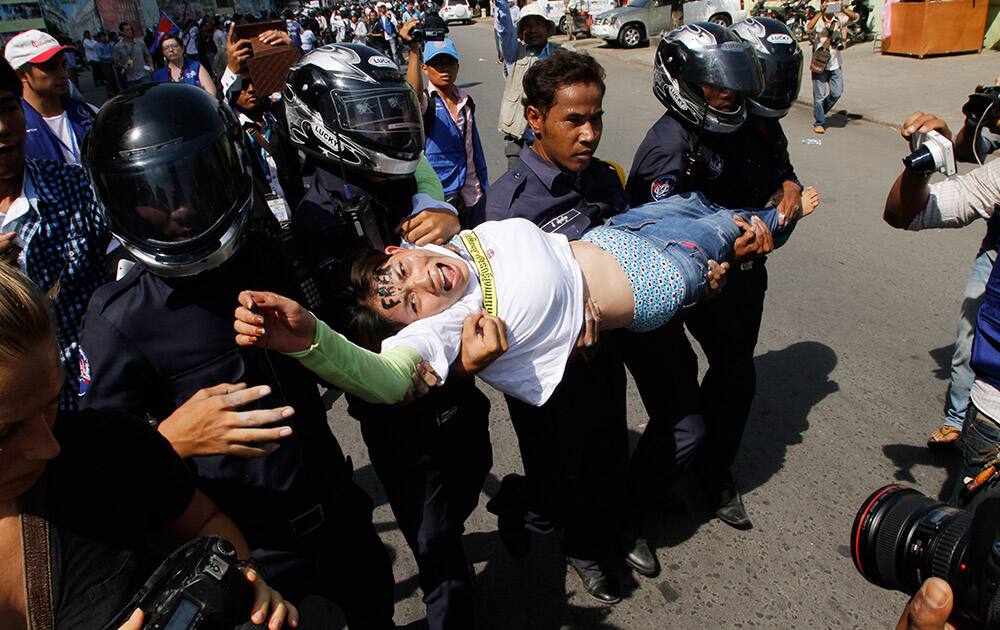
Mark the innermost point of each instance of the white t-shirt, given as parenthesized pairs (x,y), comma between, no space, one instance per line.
(360,32)
(192,42)
(63,130)
(822,27)
(90,50)
(540,295)
(308,40)
(219,39)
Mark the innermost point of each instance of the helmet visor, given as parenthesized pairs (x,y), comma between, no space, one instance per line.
(730,65)
(169,205)
(389,119)
(782,80)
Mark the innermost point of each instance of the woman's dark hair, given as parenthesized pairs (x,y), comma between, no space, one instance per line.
(558,70)
(9,80)
(367,325)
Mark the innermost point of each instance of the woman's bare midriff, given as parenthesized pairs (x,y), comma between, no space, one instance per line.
(605,282)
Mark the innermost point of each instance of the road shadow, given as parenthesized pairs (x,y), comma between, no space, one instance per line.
(836,121)
(906,456)
(529,593)
(942,357)
(472,84)
(790,382)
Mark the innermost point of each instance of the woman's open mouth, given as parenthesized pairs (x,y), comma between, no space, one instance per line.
(448,276)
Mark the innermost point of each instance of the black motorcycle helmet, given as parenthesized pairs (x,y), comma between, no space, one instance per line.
(350,105)
(781,61)
(699,54)
(170,167)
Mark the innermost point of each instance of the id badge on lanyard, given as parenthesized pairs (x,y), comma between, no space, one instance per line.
(278,206)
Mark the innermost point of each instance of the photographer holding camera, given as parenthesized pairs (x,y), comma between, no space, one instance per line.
(914,204)
(85,496)
(827,28)
(973,142)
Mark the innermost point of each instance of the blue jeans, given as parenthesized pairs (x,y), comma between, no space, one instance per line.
(979,443)
(828,86)
(961,372)
(692,231)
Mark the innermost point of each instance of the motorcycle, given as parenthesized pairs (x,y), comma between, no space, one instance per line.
(858,31)
(792,12)
(796,17)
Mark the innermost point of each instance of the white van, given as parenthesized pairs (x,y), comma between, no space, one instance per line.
(633,24)
(723,12)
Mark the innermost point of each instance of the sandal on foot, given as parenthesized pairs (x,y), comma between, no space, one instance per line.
(944,436)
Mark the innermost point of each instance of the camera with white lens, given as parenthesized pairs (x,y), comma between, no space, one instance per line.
(931,152)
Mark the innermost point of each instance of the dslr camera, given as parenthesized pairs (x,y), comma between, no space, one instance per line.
(420,33)
(900,538)
(931,152)
(199,587)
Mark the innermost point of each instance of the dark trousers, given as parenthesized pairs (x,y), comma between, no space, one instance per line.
(727,327)
(97,73)
(343,560)
(575,454)
(432,458)
(665,370)
(980,443)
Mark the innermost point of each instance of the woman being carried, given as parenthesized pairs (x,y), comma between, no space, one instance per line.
(636,272)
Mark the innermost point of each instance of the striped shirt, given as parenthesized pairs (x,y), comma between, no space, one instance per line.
(958,201)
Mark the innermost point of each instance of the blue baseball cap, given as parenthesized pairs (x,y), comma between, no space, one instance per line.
(443,47)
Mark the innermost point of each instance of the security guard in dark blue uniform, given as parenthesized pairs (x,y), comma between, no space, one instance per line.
(758,173)
(554,200)
(432,456)
(178,193)
(703,143)
(575,446)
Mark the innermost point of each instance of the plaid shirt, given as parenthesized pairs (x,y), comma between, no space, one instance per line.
(65,236)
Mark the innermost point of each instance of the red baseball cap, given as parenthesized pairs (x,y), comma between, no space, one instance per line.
(32,47)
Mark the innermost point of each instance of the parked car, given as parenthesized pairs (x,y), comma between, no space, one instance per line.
(555,10)
(456,11)
(723,12)
(630,26)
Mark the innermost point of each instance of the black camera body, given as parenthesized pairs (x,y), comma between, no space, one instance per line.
(900,538)
(420,33)
(983,107)
(199,587)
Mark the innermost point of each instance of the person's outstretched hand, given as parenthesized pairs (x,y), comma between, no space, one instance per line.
(929,609)
(269,320)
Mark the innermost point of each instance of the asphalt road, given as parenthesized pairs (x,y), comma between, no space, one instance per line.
(852,369)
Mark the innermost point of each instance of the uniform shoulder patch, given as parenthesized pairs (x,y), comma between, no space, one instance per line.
(662,187)
(85,378)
